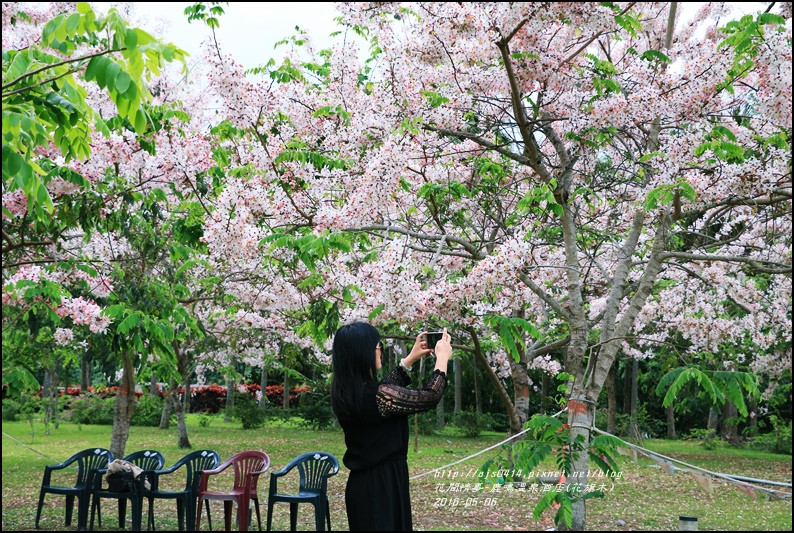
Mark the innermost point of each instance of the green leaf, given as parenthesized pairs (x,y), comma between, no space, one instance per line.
(122,81)
(128,323)
(375,312)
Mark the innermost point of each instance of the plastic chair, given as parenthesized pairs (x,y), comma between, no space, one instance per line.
(88,462)
(314,468)
(148,461)
(248,466)
(194,463)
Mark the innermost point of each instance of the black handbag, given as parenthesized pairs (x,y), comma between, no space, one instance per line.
(121,482)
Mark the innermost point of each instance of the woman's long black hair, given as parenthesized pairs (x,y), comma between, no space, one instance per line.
(353,365)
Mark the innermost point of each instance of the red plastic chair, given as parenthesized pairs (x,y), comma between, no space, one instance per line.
(248,466)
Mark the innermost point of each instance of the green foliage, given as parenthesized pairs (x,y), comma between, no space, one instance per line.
(43,103)
(205,419)
(553,439)
(92,409)
(17,380)
(11,409)
(511,332)
(745,36)
(247,411)
(719,385)
(315,410)
(470,423)
(708,438)
(776,441)
(148,411)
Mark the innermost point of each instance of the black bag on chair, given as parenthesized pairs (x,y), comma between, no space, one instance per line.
(121,482)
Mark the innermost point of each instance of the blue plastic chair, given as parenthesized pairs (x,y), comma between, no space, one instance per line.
(194,463)
(148,461)
(88,462)
(314,469)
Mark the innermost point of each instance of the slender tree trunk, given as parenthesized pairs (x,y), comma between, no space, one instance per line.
(165,418)
(285,403)
(46,391)
(753,409)
(122,411)
(730,431)
(183,440)
(153,385)
(545,385)
(670,410)
(263,387)
(714,419)
(227,414)
(85,373)
(458,385)
(477,390)
(440,413)
(627,387)
(512,413)
(635,375)
(612,399)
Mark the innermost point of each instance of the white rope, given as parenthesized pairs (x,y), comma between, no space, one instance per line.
(481,451)
(725,477)
(36,451)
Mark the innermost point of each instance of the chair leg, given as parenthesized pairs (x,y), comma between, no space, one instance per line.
(269,513)
(69,509)
(328,513)
(293,516)
(198,514)
(180,514)
(228,506)
(99,511)
(319,516)
(243,509)
(258,517)
(122,512)
(137,512)
(94,503)
(83,505)
(209,518)
(38,510)
(150,524)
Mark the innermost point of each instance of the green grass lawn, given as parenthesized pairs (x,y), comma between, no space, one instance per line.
(647,499)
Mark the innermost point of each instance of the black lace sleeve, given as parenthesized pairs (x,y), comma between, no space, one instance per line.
(393,399)
(398,376)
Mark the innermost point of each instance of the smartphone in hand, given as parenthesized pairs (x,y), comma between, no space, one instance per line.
(432,339)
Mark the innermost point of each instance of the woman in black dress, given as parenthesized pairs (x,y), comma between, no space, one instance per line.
(374,417)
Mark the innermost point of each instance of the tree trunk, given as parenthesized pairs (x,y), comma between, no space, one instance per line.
(227,413)
(165,418)
(730,431)
(714,419)
(458,385)
(179,408)
(635,375)
(122,411)
(440,413)
(285,403)
(612,399)
(627,387)
(85,373)
(670,409)
(516,424)
(545,385)
(263,387)
(477,391)
(153,385)
(46,391)
(753,409)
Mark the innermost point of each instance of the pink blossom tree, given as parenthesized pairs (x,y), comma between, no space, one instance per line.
(571,174)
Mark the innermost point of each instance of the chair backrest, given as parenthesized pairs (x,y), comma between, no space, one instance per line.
(195,462)
(147,459)
(91,459)
(246,463)
(314,468)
